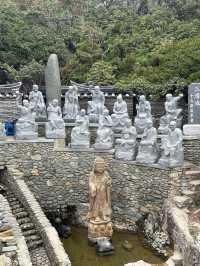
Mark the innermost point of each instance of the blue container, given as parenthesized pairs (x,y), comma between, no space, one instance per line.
(10,128)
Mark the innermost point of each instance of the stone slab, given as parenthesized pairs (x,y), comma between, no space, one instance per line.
(191,130)
(194,103)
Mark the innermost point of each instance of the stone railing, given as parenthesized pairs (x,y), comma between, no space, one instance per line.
(52,243)
(22,249)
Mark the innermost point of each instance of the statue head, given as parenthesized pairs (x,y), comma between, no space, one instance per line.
(99,165)
(142,98)
(105,112)
(55,102)
(35,87)
(71,88)
(172,125)
(96,89)
(119,98)
(26,103)
(168,96)
(82,112)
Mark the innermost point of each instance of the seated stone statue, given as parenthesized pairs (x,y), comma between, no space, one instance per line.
(80,135)
(148,152)
(172,147)
(55,127)
(37,104)
(126,146)
(120,114)
(96,106)
(26,128)
(105,136)
(172,113)
(71,107)
(143,114)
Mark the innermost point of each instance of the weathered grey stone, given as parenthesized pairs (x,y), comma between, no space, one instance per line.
(172,147)
(37,104)
(125,147)
(105,136)
(120,114)
(96,106)
(143,114)
(148,150)
(55,127)
(26,128)
(71,107)
(52,79)
(191,130)
(194,103)
(173,113)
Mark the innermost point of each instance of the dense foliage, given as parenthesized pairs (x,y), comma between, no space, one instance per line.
(151,49)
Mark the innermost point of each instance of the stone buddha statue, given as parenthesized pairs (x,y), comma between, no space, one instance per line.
(105,136)
(148,150)
(37,103)
(172,113)
(80,135)
(99,215)
(172,147)
(96,106)
(143,114)
(120,113)
(26,127)
(71,107)
(55,127)
(126,145)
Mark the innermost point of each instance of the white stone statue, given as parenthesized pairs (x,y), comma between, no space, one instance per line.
(126,145)
(37,104)
(80,135)
(172,147)
(55,127)
(26,127)
(71,107)
(172,113)
(143,114)
(105,136)
(2,130)
(148,150)
(96,106)
(120,113)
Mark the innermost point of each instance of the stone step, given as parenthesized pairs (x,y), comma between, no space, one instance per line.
(32,238)
(195,185)
(30,232)
(27,226)
(183,201)
(193,174)
(25,220)
(35,244)
(189,193)
(22,214)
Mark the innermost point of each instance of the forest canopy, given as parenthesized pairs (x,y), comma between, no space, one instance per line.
(134,46)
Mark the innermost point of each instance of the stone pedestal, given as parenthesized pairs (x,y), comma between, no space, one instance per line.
(191,130)
(59,144)
(98,230)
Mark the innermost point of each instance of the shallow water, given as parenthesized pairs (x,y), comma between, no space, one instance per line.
(81,254)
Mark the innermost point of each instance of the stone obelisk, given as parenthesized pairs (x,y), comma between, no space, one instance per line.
(52,79)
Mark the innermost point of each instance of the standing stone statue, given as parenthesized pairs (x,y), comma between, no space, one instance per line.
(148,151)
(80,135)
(143,114)
(26,127)
(126,146)
(2,130)
(96,106)
(99,215)
(55,127)
(71,107)
(52,79)
(105,136)
(120,114)
(37,103)
(173,113)
(172,147)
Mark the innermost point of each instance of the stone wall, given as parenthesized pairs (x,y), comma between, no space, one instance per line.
(192,149)
(53,245)
(60,178)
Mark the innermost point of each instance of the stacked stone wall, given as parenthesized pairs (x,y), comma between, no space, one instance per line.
(59,179)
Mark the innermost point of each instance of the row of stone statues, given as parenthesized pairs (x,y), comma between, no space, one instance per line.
(96,108)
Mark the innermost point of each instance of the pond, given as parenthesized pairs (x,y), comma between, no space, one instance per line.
(81,254)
